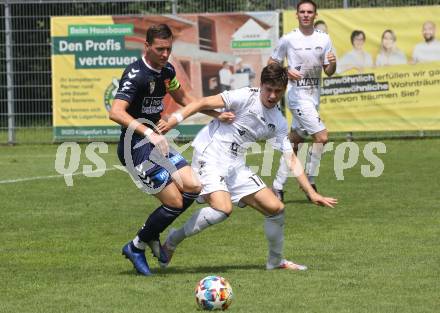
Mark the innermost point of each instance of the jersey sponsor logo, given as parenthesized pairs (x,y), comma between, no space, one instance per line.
(271,127)
(318,49)
(307,82)
(152,105)
(176,159)
(161,176)
(298,68)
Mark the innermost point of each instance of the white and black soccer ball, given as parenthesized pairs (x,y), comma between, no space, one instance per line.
(213,293)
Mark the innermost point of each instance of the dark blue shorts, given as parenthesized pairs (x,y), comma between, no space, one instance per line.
(148,166)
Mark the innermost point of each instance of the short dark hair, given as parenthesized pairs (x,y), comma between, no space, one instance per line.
(315,6)
(357,33)
(161,31)
(319,22)
(274,74)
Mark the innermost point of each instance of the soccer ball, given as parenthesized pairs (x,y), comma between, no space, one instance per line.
(213,293)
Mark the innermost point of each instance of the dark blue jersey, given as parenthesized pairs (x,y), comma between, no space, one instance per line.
(144,89)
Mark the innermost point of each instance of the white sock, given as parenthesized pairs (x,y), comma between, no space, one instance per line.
(314,159)
(282,174)
(200,220)
(139,243)
(274,230)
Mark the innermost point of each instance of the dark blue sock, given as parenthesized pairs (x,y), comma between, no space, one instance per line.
(156,223)
(188,199)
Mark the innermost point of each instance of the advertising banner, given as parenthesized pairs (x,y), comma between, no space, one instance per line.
(211,52)
(388,72)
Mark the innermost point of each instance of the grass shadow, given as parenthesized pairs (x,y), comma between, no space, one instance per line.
(198,269)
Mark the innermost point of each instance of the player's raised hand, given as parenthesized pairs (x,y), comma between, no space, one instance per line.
(317,199)
(293,74)
(226,117)
(331,57)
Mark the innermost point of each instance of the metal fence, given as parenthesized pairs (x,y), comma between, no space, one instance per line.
(25,49)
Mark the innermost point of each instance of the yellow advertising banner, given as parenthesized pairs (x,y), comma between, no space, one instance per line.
(388,72)
(88,56)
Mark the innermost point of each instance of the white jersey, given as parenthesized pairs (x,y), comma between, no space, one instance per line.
(306,54)
(253,122)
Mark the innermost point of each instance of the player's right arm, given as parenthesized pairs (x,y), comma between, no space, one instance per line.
(128,88)
(279,54)
(118,113)
(205,103)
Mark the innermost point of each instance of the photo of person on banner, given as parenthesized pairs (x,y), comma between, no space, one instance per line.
(428,51)
(225,77)
(356,59)
(389,54)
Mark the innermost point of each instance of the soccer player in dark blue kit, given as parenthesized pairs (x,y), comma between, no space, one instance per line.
(166,174)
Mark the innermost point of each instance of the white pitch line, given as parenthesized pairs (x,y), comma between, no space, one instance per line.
(118,167)
(18,180)
(27,156)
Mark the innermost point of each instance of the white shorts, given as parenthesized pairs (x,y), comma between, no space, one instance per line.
(238,180)
(306,120)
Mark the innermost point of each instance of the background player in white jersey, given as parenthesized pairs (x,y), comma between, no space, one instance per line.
(219,158)
(308,51)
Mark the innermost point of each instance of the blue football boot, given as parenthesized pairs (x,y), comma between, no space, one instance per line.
(137,258)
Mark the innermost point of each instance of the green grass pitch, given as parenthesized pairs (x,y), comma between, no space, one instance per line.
(377,251)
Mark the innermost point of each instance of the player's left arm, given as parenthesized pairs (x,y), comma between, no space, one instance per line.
(329,59)
(330,68)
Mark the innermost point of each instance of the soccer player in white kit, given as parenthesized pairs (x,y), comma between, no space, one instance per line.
(219,158)
(308,52)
